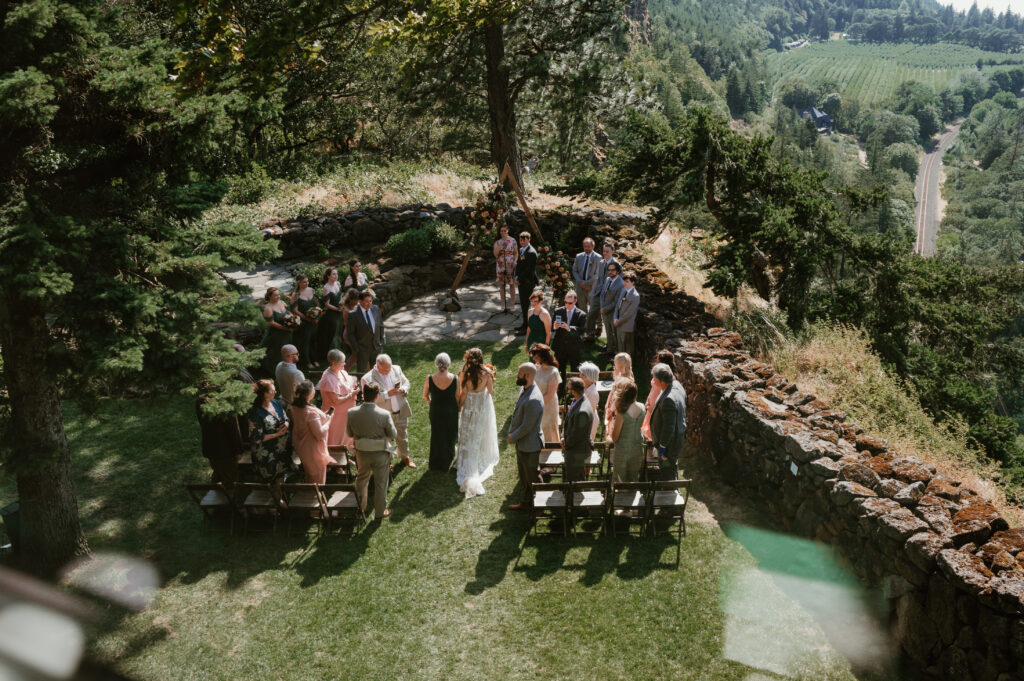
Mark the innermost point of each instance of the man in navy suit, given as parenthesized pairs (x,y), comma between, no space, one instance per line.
(567,326)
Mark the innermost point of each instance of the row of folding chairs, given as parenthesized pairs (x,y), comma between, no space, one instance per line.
(324,504)
(641,508)
(598,464)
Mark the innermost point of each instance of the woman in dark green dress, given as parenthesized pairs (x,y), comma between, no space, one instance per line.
(269,434)
(274,311)
(538,322)
(303,300)
(441,392)
(330,323)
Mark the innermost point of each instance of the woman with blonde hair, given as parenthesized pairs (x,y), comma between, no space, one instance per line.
(622,367)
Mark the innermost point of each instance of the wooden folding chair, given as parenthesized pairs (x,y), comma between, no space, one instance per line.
(631,503)
(258,499)
(302,499)
(212,498)
(668,502)
(589,500)
(651,462)
(597,462)
(343,462)
(605,375)
(551,501)
(551,456)
(342,502)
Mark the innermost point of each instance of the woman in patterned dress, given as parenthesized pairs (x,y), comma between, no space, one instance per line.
(505,257)
(269,423)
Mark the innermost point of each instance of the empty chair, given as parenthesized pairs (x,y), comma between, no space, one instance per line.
(302,500)
(668,506)
(341,502)
(343,462)
(551,457)
(590,500)
(258,499)
(630,506)
(212,498)
(551,501)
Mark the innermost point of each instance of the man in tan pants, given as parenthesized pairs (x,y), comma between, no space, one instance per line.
(371,427)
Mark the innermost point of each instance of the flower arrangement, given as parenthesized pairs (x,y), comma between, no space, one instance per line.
(487,216)
(290,320)
(315,313)
(556,269)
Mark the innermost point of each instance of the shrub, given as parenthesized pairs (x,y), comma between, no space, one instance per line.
(410,246)
(444,238)
(251,187)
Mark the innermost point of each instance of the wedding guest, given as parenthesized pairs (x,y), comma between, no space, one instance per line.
(668,422)
(585,271)
(625,314)
(303,299)
(663,357)
(441,392)
(370,428)
(268,433)
(624,433)
(538,321)
(330,323)
(337,391)
(525,276)
(578,442)
(611,291)
(348,305)
(366,330)
(310,429)
(590,375)
(356,277)
(505,265)
(287,373)
(394,391)
(594,319)
(524,431)
(622,367)
(568,325)
(277,334)
(547,379)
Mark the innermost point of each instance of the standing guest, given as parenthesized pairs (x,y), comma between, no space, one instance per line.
(624,433)
(505,264)
(578,442)
(625,314)
(585,275)
(668,422)
(287,373)
(310,430)
(538,322)
(370,428)
(590,375)
(525,275)
(441,392)
(547,378)
(274,311)
(338,392)
(610,294)
(594,319)
(663,357)
(622,367)
(569,324)
(524,431)
(393,396)
(366,330)
(303,299)
(330,324)
(356,277)
(348,305)
(268,432)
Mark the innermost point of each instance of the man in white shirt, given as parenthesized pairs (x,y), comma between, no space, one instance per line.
(393,398)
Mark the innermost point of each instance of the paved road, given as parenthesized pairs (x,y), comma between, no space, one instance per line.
(926,193)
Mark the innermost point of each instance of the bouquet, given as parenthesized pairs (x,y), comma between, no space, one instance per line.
(487,216)
(490,368)
(315,313)
(291,320)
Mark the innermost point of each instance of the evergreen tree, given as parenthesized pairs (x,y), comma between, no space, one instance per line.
(735,96)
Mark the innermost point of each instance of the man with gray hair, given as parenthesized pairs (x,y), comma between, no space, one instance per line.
(525,433)
(287,374)
(394,391)
(668,421)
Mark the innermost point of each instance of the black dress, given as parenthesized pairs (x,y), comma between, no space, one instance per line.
(444,424)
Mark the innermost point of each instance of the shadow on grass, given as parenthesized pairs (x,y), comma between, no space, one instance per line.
(334,555)
(492,564)
(433,493)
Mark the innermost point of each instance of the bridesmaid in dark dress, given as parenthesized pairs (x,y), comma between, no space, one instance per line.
(330,325)
(441,390)
(274,311)
(303,300)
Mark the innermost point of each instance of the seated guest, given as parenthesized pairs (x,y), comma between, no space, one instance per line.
(268,432)
(309,434)
(288,374)
(577,443)
(663,357)
(590,375)
(622,367)
(624,433)
(338,391)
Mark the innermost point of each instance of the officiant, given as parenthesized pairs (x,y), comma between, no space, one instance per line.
(567,327)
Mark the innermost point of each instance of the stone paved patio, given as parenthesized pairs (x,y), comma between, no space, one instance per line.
(481,318)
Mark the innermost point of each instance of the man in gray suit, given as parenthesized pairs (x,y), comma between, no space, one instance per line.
(371,428)
(287,374)
(610,294)
(668,421)
(585,271)
(525,433)
(576,442)
(594,313)
(625,314)
(366,329)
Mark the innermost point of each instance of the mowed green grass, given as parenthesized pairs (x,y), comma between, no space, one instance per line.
(870,73)
(445,588)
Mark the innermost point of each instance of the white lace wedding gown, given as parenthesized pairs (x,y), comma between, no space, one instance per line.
(478,443)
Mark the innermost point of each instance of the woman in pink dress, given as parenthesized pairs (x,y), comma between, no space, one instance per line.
(309,434)
(505,252)
(338,390)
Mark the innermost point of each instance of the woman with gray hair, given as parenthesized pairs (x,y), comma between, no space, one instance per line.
(440,391)
(337,391)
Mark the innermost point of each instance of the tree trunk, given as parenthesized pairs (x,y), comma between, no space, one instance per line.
(51,534)
(500,106)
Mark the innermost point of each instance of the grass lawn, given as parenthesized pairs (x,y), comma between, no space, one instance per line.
(442,589)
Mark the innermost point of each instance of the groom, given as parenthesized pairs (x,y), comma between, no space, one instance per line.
(525,433)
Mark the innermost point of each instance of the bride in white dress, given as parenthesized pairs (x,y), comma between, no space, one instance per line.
(478,428)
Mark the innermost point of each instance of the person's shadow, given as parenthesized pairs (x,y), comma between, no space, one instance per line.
(334,555)
(431,494)
(492,564)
